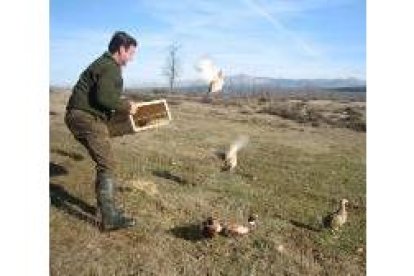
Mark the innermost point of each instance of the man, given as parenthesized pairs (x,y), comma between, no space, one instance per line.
(95,97)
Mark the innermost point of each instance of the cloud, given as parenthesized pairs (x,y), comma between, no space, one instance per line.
(279,26)
(225,26)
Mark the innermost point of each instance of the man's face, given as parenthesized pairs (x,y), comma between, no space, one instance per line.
(126,54)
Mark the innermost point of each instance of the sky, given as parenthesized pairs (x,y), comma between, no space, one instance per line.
(266,38)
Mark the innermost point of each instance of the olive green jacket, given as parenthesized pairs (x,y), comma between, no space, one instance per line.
(99,88)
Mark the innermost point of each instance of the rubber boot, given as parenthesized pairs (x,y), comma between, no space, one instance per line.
(111,218)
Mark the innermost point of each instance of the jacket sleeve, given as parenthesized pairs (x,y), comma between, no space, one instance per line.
(109,88)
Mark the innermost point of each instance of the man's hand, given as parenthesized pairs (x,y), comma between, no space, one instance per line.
(133,108)
(128,107)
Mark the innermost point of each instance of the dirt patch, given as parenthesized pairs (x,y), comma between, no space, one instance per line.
(145,186)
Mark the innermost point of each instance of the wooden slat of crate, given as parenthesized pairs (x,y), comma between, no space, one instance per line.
(149,115)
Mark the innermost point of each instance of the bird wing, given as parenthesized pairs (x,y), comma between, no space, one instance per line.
(237,145)
(207,69)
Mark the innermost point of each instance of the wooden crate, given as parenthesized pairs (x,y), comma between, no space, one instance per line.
(149,115)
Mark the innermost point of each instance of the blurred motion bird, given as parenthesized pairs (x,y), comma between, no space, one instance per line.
(216,84)
(211,74)
(337,219)
(230,158)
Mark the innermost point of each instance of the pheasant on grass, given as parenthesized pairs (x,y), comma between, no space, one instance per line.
(234,229)
(337,219)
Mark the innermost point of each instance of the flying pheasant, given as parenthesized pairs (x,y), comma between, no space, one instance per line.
(337,219)
(211,74)
(216,84)
(230,158)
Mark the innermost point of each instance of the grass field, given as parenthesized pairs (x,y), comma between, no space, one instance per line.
(291,173)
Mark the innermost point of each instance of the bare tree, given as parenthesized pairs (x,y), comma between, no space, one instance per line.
(172,67)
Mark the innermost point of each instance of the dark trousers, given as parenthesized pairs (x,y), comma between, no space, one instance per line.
(92,132)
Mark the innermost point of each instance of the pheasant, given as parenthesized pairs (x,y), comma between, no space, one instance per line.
(210,227)
(233,229)
(337,219)
(211,74)
(216,84)
(230,158)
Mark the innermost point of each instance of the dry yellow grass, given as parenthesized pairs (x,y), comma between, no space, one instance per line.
(289,174)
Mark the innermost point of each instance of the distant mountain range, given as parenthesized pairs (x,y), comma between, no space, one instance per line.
(295,83)
(246,84)
(247,81)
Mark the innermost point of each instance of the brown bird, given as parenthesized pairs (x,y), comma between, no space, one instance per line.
(210,227)
(337,219)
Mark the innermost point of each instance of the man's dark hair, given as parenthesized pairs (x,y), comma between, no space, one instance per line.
(121,39)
